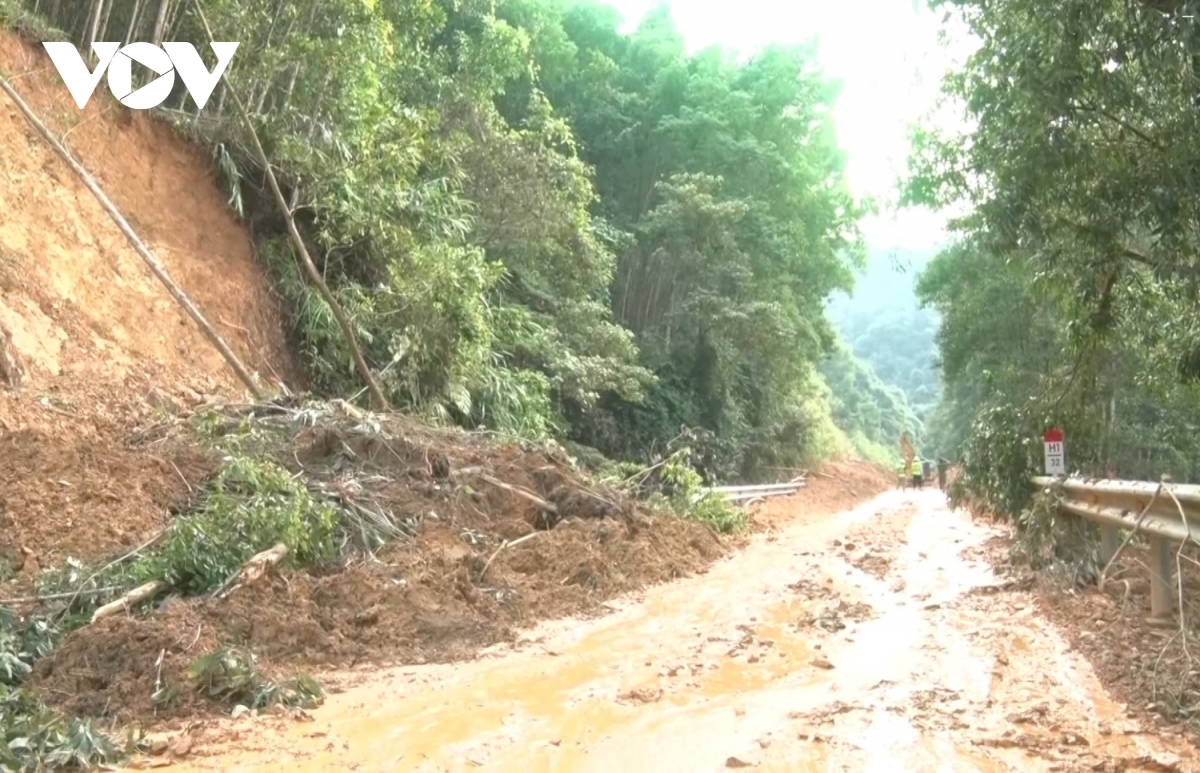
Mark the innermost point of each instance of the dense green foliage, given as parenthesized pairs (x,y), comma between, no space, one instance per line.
(872,413)
(538,223)
(896,384)
(1070,298)
(885,324)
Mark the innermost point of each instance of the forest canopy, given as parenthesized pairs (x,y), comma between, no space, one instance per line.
(538,223)
(1070,295)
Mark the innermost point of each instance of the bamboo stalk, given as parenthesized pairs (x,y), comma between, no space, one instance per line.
(130,599)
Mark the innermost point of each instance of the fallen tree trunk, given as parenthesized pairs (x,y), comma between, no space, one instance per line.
(138,245)
(523,493)
(129,600)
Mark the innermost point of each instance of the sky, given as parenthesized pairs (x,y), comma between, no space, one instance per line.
(888,57)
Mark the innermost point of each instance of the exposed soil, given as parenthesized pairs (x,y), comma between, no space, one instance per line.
(98,345)
(831,489)
(1140,661)
(454,587)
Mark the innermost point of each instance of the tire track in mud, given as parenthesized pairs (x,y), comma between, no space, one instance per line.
(865,641)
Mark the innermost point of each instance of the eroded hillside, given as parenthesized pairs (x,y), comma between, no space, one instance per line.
(99,340)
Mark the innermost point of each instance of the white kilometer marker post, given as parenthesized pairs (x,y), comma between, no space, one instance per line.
(1056,458)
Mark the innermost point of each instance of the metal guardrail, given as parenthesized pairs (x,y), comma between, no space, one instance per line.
(1165,512)
(761,491)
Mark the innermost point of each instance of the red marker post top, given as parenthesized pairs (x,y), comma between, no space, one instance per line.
(1053,435)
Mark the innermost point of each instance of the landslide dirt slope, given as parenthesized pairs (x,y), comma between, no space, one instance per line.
(98,338)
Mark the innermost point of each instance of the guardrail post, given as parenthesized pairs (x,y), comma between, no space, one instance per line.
(1110,540)
(1161,598)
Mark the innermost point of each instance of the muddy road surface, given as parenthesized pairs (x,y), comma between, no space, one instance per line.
(871,640)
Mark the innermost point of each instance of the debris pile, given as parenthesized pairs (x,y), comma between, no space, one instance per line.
(319,536)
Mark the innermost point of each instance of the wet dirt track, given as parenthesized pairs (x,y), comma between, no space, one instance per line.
(864,641)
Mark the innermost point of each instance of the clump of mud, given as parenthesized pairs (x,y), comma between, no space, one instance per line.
(501,536)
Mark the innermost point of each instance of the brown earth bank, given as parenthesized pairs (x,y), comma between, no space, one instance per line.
(452,589)
(97,345)
(1143,662)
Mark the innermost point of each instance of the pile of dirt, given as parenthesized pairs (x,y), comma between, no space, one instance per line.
(501,536)
(96,344)
(834,487)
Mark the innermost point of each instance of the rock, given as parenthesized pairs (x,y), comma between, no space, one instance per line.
(159,399)
(641,695)
(822,662)
(157,744)
(181,746)
(734,762)
(239,711)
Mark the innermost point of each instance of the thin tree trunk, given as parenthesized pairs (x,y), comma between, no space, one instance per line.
(138,245)
(133,20)
(287,97)
(274,21)
(160,22)
(378,400)
(103,29)
(89,27)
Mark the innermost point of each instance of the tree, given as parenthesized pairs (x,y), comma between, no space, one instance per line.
(1081,181)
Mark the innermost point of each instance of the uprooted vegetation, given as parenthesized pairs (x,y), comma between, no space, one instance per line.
(372,538)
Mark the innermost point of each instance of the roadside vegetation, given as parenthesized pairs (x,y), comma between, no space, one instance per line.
(1068,298)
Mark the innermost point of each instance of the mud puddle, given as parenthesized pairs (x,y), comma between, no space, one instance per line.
(864,641)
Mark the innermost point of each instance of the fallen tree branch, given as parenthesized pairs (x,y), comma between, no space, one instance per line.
(1116,553)
(503,545)
(130,599)
(378,400)
(138,245)
(71,594)
(521,492)
(252,570)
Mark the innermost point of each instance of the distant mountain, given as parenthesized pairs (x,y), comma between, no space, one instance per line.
(883,325)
